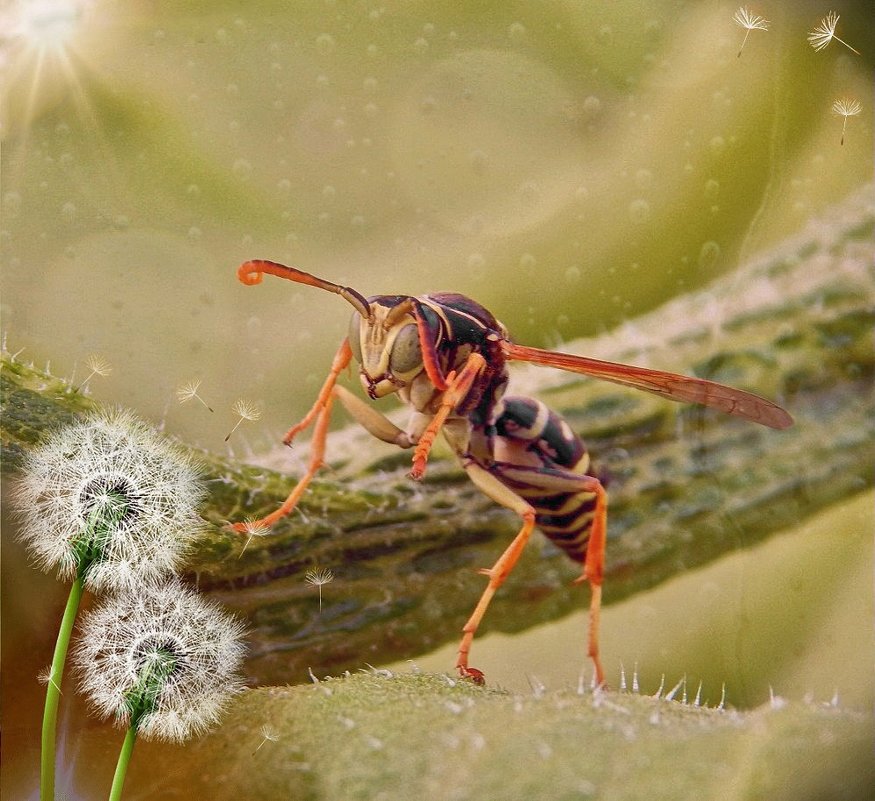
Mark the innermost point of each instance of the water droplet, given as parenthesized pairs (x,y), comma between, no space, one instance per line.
(221,35)
(639,211)
(329,192)
(717,145)
(372,109)
(708,255)
(193,190)
(592,106)
(517,32)
(12,204)
(358,221)
(370,84)
(572,274)
(428,29)
(420,45)
(476,261)
(194,233)
(477,159)
(69,211)
(121,221)
(643,178)
(427,105)
(606,34)
(242,169)
(712,188)
(325,43)
(528,261)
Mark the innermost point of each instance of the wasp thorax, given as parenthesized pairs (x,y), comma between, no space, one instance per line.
(387,347)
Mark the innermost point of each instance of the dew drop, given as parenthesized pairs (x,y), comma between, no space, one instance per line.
(12,204)
(476,261)
(708,255)
(325,43)
(712,188)
(572,274)
(477,159)
(592,106)
(194,234)
(528,261)
(517,32)
(643,178)
(717,145)
(69,211)
(420,45)
(242,169)
(639,211)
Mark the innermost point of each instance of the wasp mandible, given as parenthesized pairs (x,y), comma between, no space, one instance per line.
(445,356)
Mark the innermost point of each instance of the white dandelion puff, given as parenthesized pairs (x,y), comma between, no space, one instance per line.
(746,19)
(824,33)
(245,411)
(162,660)
(319,578)
(189,391)
(846,107)
(107,500)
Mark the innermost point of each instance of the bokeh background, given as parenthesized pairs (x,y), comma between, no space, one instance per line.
(568,164)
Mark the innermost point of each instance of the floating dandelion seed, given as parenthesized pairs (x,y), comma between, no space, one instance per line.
(267,735)
(845,107)
(318,578)
(824,33)
(45,677)
(246,411)
(744,18)
(98,366)
(253,528)
(188,391)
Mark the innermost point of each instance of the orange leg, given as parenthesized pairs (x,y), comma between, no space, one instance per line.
(593,572)
(458,385)
(338,365)
(493,488)
(322,412)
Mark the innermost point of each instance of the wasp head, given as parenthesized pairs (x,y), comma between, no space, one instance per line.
(386,344)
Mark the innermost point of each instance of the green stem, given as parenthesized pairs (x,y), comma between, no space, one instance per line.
(53,692)
(121,768)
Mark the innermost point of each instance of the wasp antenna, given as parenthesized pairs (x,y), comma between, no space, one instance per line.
(251,273)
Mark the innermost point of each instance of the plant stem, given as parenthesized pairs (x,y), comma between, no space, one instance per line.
(121,768)
(53,692)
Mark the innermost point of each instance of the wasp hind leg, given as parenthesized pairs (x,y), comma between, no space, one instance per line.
(562,480)
(498,492)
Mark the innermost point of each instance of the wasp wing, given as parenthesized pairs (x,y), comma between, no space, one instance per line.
(670,385)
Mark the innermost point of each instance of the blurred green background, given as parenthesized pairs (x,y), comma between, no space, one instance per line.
(569,165)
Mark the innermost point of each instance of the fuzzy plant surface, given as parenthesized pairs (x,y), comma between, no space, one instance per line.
(378,735)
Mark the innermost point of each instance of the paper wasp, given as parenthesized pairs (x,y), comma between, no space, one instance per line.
(445,356)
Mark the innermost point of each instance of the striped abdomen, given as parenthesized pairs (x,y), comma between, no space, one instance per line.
(534,450)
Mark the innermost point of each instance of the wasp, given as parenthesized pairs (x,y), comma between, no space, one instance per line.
(445,356)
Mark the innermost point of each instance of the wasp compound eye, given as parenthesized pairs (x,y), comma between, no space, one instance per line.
(355,336)
(406,352)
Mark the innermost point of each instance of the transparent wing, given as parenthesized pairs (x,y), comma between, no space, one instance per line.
(670,385)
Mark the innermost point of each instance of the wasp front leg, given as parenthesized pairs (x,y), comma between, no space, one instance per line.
(321,412)
(458,385)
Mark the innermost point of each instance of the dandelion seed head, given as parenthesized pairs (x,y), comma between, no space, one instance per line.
(108,467)
(97,364)
(846,107)
(825,32)
(745,18)
(188,391)
(246,410)
(319,578)
(196,644)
